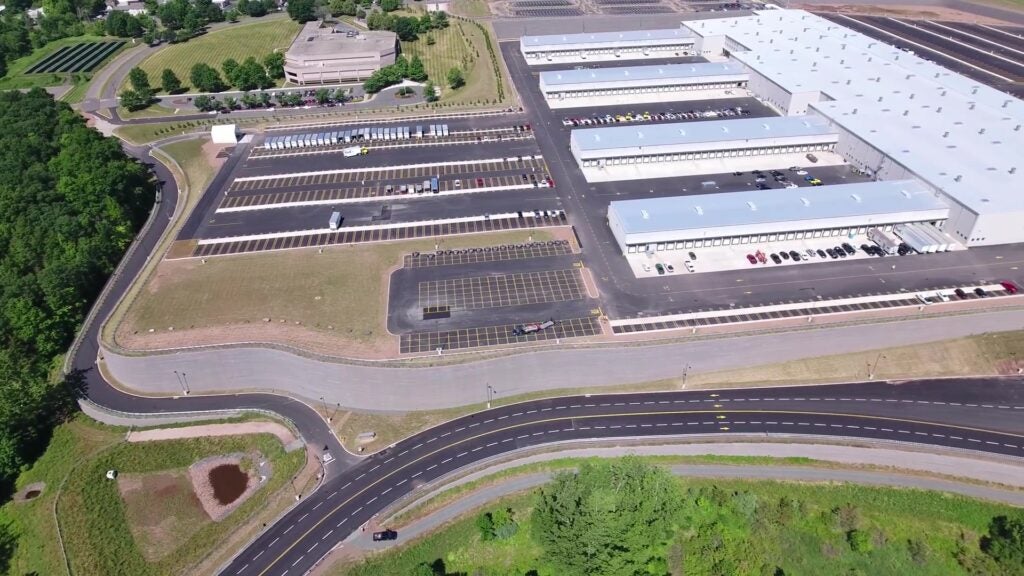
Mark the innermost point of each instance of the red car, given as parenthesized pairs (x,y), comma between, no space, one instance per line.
(480,182)
(751,259)
(1009,286)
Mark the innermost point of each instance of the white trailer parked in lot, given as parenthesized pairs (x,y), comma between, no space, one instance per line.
(335,220)
(886,241)
(915,238)
(944,243)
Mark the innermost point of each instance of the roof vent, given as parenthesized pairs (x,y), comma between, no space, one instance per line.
(752,206)
(640,135)
(682,132)
(805,201)
(981,131)
(765,126)
(855,197)
(958,178)
(725,129)
(700,211)
(645,215)
(1013,170)
(906,194)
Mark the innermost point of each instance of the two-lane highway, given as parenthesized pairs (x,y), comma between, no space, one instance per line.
(941,413)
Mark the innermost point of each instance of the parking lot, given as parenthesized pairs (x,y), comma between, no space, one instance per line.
(500,335)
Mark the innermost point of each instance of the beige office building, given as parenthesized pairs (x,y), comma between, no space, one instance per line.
(324,55)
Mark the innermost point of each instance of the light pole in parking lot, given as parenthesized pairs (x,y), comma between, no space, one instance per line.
(182,381)
(490,394)
(686,376)
(873,368)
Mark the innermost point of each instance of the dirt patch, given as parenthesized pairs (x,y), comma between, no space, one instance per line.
(30,492)
(900,11)
(228,482)
(217,480)
(204,430)
(162,510)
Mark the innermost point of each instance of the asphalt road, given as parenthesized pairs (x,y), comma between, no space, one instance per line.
(309,423)
(941,413)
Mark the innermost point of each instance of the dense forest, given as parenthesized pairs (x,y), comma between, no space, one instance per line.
(70,203)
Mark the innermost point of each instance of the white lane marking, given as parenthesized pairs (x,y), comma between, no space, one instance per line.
(460,429)
(274,541)
(473,424)
(492,444)
(461,454)
(432,467)
(347,484)
(318,504)
(311,547)
(371,500)
(297,560)
(301,518)
(286,530)
(416,474)
(386,491)
(446,461)
(328,534)
(242,569)
(402,482)
(259,554)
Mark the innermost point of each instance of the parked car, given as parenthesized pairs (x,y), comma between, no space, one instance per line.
(660,269)
(811,253)
(692,255)
(751,259)
(794,255)
(839,250)
(646,267)
(821,253)
(960,293)
(670,268)
(849,249)
(801,172)
(385,535)
(784,254)
(776,259)
(831,253)
(1009,286)
(980,292)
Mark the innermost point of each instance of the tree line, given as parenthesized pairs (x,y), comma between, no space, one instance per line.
(70,203)
(626,517)
(250,74)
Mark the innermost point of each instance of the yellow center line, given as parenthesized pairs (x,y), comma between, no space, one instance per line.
(620,415)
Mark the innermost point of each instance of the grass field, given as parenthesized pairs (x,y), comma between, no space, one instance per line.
(99,528)
(746,525)
(32,523)
(162,511)
(977,355)
(152,111)
(323,290)
(471,8)
(460,45)
(239,42)
(16,77)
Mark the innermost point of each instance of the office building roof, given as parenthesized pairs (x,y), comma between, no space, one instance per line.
(960,136)
(869,200)
(640,74)
(594,139)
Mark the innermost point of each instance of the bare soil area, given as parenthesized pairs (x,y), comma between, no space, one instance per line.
(282,432)
(215,484)
(162,510)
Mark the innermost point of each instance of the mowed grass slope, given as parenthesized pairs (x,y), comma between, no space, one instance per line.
(239,42)
(460,45)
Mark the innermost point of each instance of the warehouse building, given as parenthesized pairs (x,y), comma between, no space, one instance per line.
(760,216)
(897,116)
(600,46)
(322,55)
(709,147)
(642,84)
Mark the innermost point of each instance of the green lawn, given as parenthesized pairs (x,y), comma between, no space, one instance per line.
(460,45)
(16,77)
(98,526)
(239,42)
(745,527)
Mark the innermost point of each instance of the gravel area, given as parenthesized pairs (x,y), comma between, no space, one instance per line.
(283,433)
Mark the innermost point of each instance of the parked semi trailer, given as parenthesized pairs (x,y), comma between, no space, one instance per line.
(886,241)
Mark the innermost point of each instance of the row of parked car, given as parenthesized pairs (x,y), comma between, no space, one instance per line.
(648,117)
(842,251)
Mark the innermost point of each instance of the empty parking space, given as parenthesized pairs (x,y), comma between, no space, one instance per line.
(382,234)
(495,291)
(421,342)
(489,254)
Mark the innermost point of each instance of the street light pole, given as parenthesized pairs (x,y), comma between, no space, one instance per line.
(490,395)
(873,368)
(686,376)
(182,382)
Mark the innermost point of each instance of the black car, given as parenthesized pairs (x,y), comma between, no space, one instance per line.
(776,173)
(821,253)
(831,253)
(784,254)
(737,173)
(794,255)
(692,256)
(849,249)
(776,259)
(762,186)
(980,292)
(867,249)
(385,535)
(839,250)
(960,293)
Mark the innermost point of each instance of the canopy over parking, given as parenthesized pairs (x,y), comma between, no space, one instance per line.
(746,217)
(626,45)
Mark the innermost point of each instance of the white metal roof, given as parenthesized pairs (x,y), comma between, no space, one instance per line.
(755,211)
(642,75)
(682,133)
(587,40)
(960,136)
